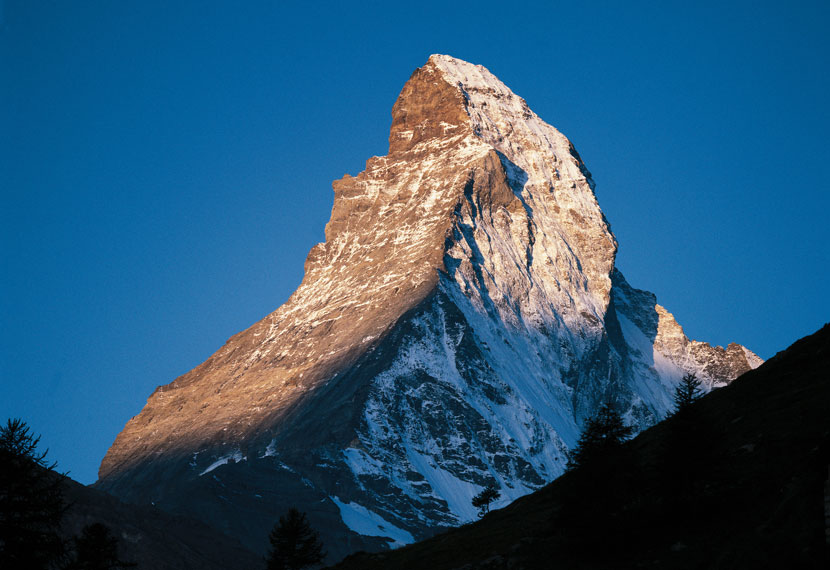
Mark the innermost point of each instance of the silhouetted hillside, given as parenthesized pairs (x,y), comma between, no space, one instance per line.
(743,484)
(156,540)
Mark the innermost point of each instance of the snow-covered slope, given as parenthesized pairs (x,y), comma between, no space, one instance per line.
(459,323)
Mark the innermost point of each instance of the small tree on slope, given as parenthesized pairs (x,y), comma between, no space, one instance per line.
(687,392)
(685,450)
(603,433)
(294,545)
(604,474)
(97,549)
(482,500)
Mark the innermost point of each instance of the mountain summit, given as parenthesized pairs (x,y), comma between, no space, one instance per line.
(462,319)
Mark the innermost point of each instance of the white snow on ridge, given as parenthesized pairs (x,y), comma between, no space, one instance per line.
(271,449)
(363,521)
(528,427)
(655,375)
(495,110)
(753,359)
(361,463)
(457,493)
(236,456)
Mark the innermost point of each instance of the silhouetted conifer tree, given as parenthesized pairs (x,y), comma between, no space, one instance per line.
(97,549)
(685,451)
(687,392)
(602,488)
(294,545)
(31,502)
(482,500)
(603,433)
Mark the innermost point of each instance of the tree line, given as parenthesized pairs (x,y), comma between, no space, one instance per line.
(32,508)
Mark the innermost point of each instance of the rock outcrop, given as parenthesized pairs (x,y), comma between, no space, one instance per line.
(461,320)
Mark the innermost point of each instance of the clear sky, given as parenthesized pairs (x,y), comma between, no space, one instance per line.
(166,166)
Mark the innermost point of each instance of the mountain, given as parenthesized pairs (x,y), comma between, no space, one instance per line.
(760,498)
(461,320)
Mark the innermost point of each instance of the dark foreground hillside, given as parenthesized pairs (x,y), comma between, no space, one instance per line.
(151,537)
(742,482)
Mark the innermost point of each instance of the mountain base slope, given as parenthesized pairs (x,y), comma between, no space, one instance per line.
(758,501)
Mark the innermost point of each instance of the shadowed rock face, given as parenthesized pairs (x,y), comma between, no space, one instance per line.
(458,324)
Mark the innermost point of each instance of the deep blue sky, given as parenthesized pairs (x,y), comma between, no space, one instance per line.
(165,168)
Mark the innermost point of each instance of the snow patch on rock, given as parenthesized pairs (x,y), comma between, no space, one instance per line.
(235,457)
(368,523)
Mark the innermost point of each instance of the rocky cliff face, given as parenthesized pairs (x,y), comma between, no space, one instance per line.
(461,320)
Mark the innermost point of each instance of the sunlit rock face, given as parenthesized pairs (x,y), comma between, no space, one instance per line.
(459,323)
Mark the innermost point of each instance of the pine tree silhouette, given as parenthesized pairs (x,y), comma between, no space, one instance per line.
(31,502)
(97,549)
(482,500)
(684,450)
(687,392)
(603,433)
(603,474)
(294,545)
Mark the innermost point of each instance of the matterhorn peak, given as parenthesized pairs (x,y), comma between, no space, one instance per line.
(461,320)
